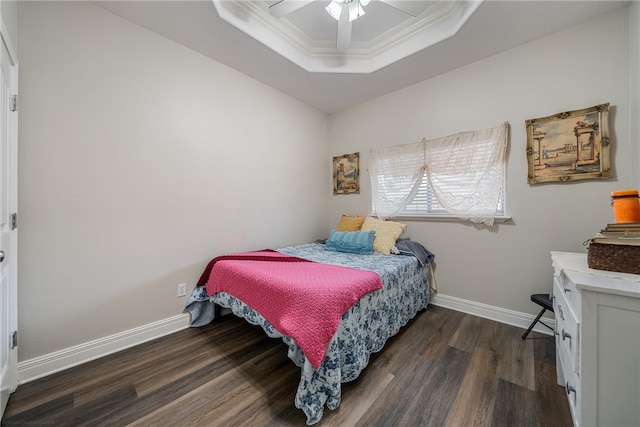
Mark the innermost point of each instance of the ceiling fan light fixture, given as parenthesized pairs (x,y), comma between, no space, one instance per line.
(355,10)
(335,9)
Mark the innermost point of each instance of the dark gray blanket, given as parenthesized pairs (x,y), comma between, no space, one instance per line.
(409,247)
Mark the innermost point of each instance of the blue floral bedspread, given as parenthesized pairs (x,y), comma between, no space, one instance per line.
(363,330)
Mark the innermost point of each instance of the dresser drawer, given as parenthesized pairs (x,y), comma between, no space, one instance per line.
(572,388)
(567,335)
(571,293)
(567,329)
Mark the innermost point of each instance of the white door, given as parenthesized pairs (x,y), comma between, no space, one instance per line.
(8,233)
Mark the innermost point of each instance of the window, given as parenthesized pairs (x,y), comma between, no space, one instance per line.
(460,175)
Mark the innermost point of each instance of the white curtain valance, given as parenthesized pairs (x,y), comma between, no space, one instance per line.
(465,172)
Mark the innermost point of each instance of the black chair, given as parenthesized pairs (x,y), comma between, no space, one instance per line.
(543,300)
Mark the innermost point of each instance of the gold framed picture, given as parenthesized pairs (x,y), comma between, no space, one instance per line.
(346,174)
(569,146)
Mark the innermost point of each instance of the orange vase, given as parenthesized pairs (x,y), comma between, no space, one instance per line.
(626,205)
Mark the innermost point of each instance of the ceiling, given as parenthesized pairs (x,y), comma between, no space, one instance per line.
(390,49)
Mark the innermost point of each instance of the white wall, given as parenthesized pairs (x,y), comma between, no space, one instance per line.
(577,68)
(140,160)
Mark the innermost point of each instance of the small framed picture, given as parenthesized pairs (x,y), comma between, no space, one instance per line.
(569,146)
(346,174)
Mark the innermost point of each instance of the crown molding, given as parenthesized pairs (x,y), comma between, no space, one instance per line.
(438,22)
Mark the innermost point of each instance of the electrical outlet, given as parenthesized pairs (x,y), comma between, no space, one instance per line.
(182,289)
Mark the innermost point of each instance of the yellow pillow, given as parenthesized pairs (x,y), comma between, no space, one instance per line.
(350,223)
(387,233)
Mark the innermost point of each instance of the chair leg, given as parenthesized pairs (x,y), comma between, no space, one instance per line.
(524,336)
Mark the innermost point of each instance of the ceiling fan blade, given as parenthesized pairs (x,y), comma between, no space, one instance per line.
(413,8)
(285,7)
(343,39)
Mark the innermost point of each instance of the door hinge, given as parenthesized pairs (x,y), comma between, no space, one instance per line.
(14,221)
(13,102)
(14,339)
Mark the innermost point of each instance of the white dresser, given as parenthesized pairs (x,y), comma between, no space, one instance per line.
(597,341)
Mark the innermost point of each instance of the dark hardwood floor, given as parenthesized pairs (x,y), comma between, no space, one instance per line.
(445,368)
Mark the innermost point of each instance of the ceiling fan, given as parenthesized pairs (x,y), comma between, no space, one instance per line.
(343,11)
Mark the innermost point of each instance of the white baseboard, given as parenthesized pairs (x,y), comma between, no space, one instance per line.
(51,363)
(499,314)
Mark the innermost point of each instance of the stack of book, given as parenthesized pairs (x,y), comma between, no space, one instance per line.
(616,248)
(622,233)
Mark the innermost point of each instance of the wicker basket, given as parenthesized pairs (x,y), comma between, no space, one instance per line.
(611,257)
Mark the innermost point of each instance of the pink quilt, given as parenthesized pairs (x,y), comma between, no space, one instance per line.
(303,300)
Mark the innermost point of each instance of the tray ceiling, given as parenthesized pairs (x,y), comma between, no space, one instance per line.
(384,35)
(314,73)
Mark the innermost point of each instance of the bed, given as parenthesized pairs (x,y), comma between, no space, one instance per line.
(375,314)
